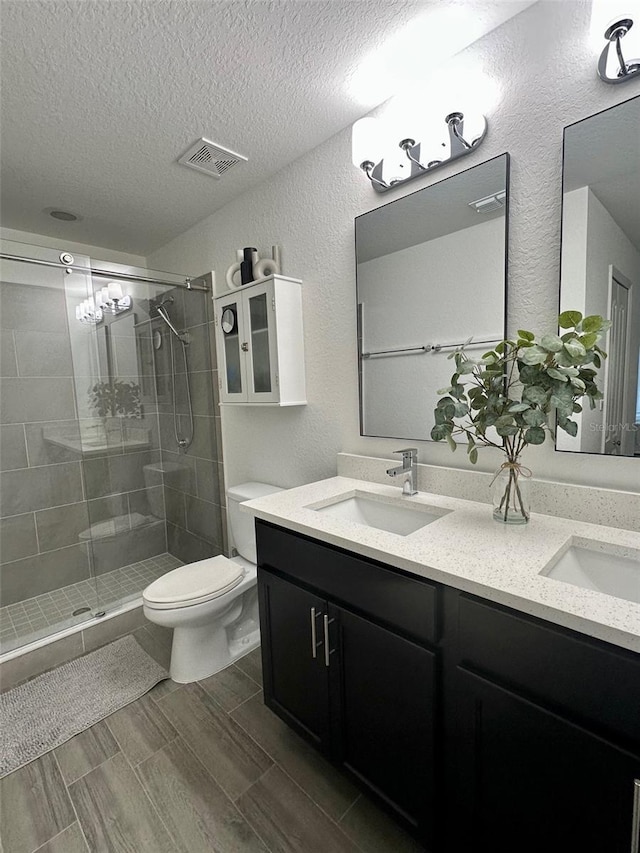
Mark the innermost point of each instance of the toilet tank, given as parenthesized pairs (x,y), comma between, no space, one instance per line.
(242,523)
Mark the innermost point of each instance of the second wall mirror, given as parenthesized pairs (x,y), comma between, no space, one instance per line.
(600,267)
(431,274)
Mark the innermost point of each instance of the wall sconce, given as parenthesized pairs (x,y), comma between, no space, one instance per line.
(89,312)
(614,34)
(112,299)
(456,135)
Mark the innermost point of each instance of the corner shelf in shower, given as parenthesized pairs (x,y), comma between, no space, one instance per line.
(98,446)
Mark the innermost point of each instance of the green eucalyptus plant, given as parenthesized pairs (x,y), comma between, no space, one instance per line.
(117,397)
(517,388)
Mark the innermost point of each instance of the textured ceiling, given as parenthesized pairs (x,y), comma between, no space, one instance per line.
(100,98)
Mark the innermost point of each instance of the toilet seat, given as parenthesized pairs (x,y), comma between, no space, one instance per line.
(192,584)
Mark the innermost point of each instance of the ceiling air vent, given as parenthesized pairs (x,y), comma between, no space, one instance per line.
(214,160)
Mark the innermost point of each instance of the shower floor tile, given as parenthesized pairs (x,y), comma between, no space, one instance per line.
(37,617)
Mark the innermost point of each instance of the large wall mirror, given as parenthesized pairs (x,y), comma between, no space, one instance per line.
(600,267)
(431,274)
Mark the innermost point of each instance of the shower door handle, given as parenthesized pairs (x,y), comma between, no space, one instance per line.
(244,346)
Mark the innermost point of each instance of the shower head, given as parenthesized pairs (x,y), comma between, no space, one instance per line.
(168,300)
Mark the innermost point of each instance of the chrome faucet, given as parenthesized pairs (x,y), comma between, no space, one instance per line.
(408,469)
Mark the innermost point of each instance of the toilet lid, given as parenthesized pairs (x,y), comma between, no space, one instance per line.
(194,583)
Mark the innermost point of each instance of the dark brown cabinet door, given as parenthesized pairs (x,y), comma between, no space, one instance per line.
(383,703)
(296,679)
(530,780)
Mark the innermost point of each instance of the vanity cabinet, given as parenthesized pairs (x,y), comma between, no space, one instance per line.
(259,344)
(543,736)
(347,676)
(480,727)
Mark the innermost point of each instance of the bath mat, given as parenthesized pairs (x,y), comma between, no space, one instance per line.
(48,710)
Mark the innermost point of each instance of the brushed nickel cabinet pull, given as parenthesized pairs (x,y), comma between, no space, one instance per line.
(314,638)
(327,651)
(635,819)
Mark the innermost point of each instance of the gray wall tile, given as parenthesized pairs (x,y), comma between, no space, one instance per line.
(175,508)
(204,436)
(128,547)
(17,537)
(32,308)
(43,354)
(43,573)
(31,400)
(208,480)
(203,519)
(195,307)
(8,364)
(202,393)
(198,351)
(188,547)
(43,452)
(30,489)
(61,526)
(179,471)
(149,501)
(115,474)
(13,452)
(111,507)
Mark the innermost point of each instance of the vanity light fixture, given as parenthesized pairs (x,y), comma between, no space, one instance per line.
(108,299)
(111,298)
(614,34)
(372,150)
(88,312)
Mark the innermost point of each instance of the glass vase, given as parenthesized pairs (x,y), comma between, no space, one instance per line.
(510,493)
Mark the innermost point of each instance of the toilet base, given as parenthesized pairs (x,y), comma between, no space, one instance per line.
(198,653)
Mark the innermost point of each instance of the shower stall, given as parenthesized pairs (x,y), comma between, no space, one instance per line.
(110,450)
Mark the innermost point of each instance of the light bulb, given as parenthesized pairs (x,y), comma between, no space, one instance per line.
(115,290)
(367,141)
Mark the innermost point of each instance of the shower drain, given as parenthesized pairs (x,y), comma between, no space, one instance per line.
(81,610)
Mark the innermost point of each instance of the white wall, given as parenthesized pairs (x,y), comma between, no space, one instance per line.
(546,68)
(94,252)
(470,263)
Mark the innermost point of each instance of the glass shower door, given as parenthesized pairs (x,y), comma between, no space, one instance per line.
(46,574)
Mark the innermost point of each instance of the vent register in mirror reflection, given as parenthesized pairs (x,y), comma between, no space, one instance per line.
(431,273)
(600,267)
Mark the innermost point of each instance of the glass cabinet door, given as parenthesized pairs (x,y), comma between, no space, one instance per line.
(234,346)
(262,357)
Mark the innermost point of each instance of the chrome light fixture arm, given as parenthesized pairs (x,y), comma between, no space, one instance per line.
(456,145)
(626,70)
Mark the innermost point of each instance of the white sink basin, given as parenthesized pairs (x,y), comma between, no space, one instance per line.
(389,514)
(597,565)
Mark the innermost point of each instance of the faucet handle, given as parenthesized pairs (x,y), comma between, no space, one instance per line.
(410,452)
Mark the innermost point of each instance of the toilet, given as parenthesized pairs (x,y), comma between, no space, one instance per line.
(212,605)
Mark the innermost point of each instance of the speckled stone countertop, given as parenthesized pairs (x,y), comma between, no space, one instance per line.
(468,550)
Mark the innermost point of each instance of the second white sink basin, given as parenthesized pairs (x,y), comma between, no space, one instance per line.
(389,514)
(595,565)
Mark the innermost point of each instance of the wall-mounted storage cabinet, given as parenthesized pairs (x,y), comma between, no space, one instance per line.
(260,346)
(478,726)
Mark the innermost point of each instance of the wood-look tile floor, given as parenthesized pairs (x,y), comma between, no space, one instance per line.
(198,768)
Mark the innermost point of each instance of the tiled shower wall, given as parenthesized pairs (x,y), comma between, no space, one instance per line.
(193,480)
(50,493)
